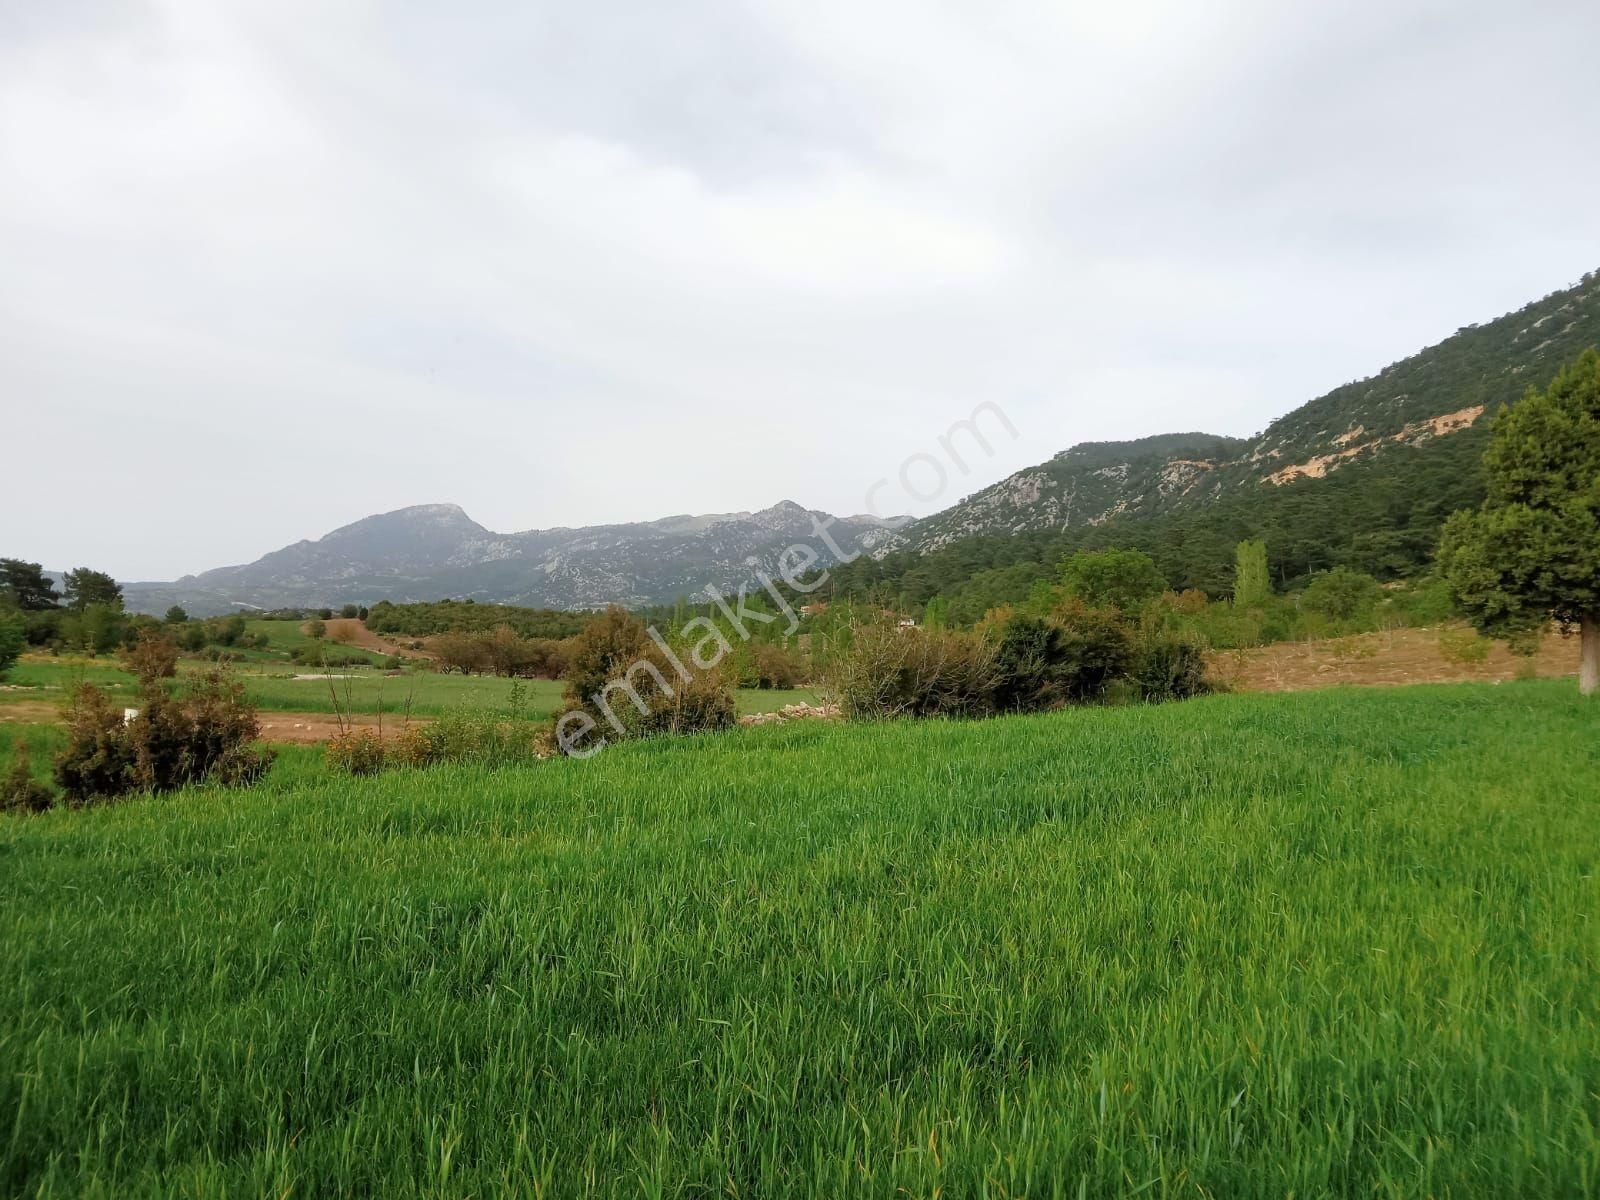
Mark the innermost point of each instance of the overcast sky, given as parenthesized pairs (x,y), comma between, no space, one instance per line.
(266,268)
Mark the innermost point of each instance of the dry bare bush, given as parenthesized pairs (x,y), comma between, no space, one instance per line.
(887,671)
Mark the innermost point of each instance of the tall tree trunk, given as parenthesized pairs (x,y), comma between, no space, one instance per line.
(1589,654)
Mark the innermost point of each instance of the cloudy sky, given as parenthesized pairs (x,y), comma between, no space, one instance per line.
(267,267)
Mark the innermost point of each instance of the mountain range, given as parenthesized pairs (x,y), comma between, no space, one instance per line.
(1379,461)
(434,551)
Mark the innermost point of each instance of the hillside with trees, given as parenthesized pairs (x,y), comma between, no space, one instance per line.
(1363,478)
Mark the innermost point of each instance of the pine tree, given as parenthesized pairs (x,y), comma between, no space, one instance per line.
(85,587)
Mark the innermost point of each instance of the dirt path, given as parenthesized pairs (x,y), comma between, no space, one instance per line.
(351,631)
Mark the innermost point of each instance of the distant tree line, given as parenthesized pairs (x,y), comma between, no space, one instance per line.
(86,614)
(458,616)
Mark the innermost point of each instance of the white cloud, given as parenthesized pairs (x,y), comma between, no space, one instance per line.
(270,267)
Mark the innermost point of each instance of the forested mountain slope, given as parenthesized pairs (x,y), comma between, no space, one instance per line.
(1362,476)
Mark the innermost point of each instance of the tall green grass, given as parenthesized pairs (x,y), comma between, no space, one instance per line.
(1336,943)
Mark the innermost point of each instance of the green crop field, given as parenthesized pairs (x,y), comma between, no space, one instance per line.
(1332,943)
(39,678)
(278,688)
(430,694)
(427,692)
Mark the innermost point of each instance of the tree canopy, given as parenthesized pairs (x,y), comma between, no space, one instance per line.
(27,586)
(1122,579)
(1531,551)
(12,642)
(86,586)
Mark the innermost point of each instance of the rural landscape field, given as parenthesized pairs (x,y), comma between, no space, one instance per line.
(1075,954)
(750,599)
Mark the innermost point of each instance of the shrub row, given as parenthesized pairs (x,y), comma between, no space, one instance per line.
(1023,664)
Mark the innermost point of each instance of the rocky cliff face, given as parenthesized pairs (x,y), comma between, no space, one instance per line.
(1087,485)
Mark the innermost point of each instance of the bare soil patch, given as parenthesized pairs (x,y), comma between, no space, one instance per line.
(30,712)
(1386,659)
(352,631)
(306,728)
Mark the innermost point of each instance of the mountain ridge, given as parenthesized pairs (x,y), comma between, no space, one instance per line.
(1442,390)
(431,551)
(1382,427)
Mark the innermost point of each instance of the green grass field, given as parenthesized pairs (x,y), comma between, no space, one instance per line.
(34,678)
(430,694)
(274,688)
(1334,943)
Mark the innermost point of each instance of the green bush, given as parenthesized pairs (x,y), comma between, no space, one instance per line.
(1095,648)
(1031,665)
(626,686)
(228,631)
(205,733)
(13,638)
(1427,602)
(1341,595)
(1464,647)
(322,654)
(94,629)
(20,792)
(1170,668)
(773,666)
(702,705)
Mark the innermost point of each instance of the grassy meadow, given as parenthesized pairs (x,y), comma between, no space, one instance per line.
(429,694)
(285,637)
(1332,943)
(279,687)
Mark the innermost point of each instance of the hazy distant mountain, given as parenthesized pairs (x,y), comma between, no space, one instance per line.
(433,551)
